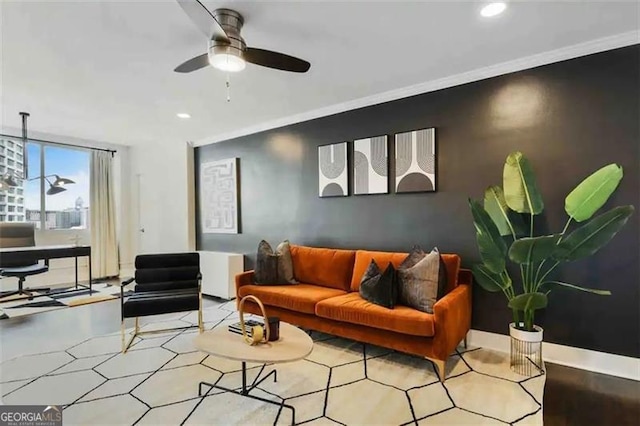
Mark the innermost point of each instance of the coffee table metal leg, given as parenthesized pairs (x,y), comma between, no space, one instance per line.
(245,391)
(244,378)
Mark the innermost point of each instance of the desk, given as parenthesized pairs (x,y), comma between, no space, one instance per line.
(18,254)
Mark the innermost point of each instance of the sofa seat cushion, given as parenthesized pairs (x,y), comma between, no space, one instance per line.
(295,297)
(322,266)
(354,309)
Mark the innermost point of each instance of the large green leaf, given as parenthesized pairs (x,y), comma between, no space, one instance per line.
(492,247)
(593,235)
(532,250)
(520,189)
(529,302)
(488,280)
(496,207)
(575,287)
(592,193)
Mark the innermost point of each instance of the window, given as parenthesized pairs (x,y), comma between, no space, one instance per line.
(68,209)
(12,209)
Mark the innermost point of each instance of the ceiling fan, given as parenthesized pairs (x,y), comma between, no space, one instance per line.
(227,49)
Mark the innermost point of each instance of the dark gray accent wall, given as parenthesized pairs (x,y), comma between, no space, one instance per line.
(569,118)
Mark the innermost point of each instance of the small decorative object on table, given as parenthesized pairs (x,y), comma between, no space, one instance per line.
(274,328)
(236,327)
(259,333)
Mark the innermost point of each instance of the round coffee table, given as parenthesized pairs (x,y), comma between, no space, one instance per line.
(293,345)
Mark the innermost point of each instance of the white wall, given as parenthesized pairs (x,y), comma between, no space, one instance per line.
(161,198)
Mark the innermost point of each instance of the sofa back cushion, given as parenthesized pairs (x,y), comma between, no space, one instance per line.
(452,262)
(325,267)
(383,258)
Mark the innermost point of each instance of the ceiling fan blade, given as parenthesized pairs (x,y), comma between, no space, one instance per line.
(276,60)
(193,64)
(203,19)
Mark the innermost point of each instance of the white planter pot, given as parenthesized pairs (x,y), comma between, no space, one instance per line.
(531,337)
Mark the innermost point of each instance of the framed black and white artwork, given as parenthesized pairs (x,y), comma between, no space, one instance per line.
(219,196)
(332,170)
(371,166)
(416,161)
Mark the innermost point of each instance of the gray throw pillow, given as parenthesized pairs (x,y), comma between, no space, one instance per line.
(273,268)
(285,263)
(416,255)
(419,283)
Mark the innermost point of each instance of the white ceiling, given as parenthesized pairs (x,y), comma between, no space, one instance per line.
(103,70)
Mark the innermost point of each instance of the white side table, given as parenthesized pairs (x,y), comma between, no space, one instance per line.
(219,271)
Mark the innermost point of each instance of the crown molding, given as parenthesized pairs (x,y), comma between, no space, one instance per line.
(565,53)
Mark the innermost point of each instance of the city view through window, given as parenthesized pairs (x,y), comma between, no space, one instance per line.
(68,209)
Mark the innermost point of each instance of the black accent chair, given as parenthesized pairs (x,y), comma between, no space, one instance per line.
(19,234)
(165,283)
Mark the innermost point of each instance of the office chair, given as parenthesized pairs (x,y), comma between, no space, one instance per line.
(19,234)
(165,283)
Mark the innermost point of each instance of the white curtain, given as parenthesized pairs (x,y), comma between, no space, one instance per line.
(104,245)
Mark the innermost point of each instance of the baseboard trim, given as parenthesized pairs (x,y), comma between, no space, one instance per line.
(569,52)
(599,362)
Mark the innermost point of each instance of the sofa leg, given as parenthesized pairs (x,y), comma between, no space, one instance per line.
(122,334)
(464,342)
(440,367)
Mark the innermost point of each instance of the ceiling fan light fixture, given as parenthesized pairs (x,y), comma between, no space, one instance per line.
(227,62)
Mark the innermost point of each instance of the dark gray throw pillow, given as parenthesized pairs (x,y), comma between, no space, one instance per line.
(415,255)
(274,268)
(420,283)
(379,288)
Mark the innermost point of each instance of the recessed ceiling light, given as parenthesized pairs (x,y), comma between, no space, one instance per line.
(183,115)
(493,9)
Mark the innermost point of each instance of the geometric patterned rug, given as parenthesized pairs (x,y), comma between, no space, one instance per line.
(59,298)
(340,382)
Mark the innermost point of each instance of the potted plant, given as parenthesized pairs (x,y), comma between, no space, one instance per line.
(504,226)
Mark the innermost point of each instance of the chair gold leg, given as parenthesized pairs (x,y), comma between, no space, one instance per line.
(125,346)
(200,323)
(440,367)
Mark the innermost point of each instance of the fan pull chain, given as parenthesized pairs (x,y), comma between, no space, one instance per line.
(228,89)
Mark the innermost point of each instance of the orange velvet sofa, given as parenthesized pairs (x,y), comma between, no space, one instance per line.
(327,300)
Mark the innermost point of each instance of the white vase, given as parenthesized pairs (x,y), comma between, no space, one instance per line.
(532,339)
